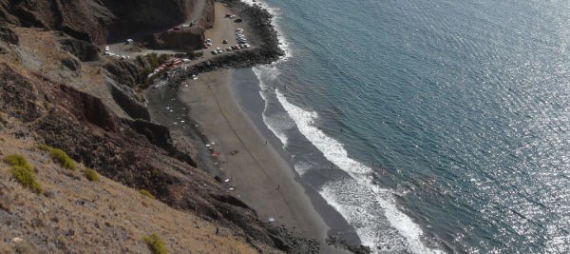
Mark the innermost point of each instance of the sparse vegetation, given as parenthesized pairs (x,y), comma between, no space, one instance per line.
(91,175)
(44,147)
(25,247)
(155,244)
(26,178)
(145,193)
(163,58)
(195,54)
(2,119)
(156,60)
(17,160)
(153,60)
(61,157)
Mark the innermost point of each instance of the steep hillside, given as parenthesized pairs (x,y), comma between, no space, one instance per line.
(74,214)
(99,20)
(55,89)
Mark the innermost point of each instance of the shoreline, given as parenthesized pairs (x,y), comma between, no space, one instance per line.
(260,176)
(259,173)
(207,110)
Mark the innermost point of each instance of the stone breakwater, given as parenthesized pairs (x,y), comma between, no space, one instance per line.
(259,20)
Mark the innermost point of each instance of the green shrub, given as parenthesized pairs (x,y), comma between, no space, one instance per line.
(91,175)
(26,178)
(45,147)
(18,160)
(61,157)
(155,244)
(153,60)
(145,193)
(163,58)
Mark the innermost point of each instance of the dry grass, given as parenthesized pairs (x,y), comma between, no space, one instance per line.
(97,218)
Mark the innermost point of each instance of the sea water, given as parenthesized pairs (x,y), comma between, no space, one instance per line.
(430,126)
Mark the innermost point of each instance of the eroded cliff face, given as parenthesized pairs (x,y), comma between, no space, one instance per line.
(186,39)
(37,106)
(100,20)
(55,89)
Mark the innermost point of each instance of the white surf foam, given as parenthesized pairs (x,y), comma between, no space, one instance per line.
(279,123)
(361,213)
(302,168)
(354,207)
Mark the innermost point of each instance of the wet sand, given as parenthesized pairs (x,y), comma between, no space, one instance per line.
(259,175)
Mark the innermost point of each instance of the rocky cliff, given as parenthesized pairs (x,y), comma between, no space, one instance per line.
(55,89)
(98,20)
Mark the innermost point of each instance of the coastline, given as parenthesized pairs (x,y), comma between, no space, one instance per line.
(207,110)
(260,176)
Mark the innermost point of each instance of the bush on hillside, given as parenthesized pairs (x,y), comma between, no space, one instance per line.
(91,175)
(145,193)
(155,244)
(18,160)
(26,178)
(44,147)
(61,157)
(163,58)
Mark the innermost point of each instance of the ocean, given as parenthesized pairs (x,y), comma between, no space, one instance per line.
(430,126)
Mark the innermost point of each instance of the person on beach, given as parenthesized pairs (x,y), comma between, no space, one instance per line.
(278,186)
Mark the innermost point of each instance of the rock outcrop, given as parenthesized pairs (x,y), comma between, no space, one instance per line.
(7,35)
(187,39)
(125,72)
(88,106)
(138,154)
(84,51)
(96,20)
